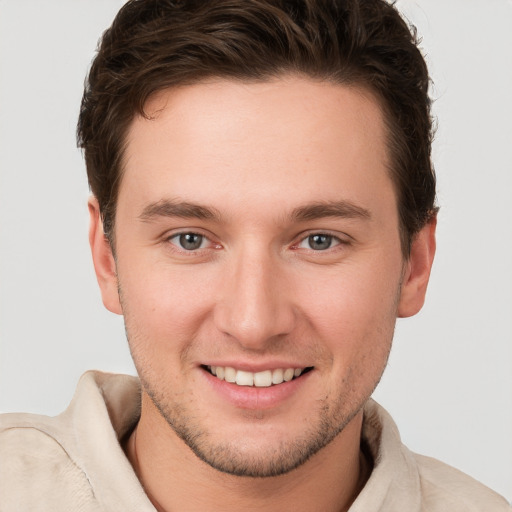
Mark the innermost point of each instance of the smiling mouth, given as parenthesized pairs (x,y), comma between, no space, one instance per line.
(262,379)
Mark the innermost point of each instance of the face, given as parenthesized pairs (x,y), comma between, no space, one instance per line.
(259,265)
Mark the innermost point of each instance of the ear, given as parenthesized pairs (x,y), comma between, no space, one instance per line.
(417,271)
(103,258)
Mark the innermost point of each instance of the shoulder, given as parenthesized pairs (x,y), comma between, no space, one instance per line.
(71,461)
(403,480)
(446,488)
(37,471)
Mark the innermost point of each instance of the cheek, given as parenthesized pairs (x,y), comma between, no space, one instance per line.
(354,307)
(162,305)
(355,325)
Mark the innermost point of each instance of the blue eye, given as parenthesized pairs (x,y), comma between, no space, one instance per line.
(319,242)
(189,241)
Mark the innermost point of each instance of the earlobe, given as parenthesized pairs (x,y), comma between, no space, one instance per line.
(103,259)
(417,270)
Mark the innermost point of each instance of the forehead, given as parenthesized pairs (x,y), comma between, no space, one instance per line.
(291,139)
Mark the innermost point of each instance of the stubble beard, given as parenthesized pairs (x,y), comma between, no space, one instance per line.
(227,457)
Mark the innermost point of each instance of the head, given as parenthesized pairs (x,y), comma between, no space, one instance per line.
(261,171)
(159,44)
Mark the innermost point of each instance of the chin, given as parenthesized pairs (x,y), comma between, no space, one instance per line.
(258,447)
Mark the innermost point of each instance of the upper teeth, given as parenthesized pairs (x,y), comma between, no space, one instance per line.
(259,379)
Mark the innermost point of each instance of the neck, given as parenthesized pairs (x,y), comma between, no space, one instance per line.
(175,479)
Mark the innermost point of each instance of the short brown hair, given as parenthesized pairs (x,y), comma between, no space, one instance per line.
(158,44)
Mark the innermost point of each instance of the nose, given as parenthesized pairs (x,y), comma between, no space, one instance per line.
(255,307)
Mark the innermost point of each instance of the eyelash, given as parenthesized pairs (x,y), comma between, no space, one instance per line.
(181,234)
(334,241)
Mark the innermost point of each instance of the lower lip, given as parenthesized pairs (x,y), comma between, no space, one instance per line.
(255,398)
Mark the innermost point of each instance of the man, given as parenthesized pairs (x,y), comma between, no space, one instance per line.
(263,210)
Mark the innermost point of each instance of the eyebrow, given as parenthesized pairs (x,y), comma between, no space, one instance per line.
(308,212)
(320,210)
(180,209)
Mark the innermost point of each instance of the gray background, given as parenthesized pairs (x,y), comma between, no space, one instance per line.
(449,381)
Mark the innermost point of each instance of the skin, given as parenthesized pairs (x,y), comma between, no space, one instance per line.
(257,294)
